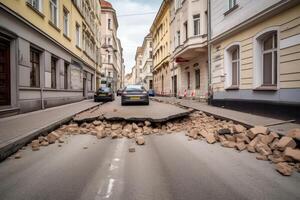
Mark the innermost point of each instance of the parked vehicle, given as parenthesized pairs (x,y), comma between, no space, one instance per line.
(151,92)
(104,94)
(119,92)
(134,94)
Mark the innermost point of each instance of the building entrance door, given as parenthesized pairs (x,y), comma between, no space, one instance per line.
(4,72)
(175,85)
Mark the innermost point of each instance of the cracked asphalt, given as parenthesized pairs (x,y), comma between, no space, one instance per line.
(168,167)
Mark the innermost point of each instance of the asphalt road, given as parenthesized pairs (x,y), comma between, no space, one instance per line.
(167,167)
(154,112)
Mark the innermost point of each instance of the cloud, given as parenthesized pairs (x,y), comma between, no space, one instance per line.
(133,29)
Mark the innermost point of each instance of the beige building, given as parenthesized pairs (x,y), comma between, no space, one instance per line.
(138,67)
(189,58)
(49,53)
(160,32)
(147,63)
(255,49)
(111,48)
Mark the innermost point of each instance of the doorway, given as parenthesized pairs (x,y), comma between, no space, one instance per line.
(4,72)
(175,85)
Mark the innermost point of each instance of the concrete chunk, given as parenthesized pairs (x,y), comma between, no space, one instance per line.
(284,169)
(285,142)
(253,132)
(294,133)
(292,153)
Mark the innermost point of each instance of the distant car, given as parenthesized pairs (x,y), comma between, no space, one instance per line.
(104,94)
(134,94)
(119,92)
(151,92)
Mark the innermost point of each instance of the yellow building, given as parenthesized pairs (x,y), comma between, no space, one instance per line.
(255,49)
(49,52)
(160,31)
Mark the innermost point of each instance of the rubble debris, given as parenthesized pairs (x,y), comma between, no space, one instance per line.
(285,142)
(294,133)
(284,168)
(131,149)
(253,132)
(18,155)
(140,140)
(292,153)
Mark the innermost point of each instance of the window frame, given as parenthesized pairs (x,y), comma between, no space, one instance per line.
(228,66)
(231,4)
(39,7)
(54,75)
(37,82)
(197,22)
(78,35)
(258,60)
(66,26)
(56,16)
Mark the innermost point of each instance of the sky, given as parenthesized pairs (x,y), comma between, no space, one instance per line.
(133,29)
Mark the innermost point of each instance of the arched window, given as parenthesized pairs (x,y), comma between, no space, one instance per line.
(265,59)
(269,62)
(232,66)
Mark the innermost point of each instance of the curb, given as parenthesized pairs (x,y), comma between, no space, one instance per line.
(247,125)
(12,146)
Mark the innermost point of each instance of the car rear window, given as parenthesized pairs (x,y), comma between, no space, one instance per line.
(104,90)
(134,88)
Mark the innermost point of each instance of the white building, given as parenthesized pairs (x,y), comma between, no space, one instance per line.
(189,58)
(111,49)
(255,49)
(147,63)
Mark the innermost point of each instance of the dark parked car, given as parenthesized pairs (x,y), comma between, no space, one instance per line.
(134,94)
(119,92)
(104,94)
(151,92)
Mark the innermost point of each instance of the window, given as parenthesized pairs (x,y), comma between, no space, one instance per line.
(37,4)
(197,78)
(77,35)
(66,22)
(53,72)
(186,30)
(150,54)
(196,19)
(177,4)
(35,68)
(54,11)
(178,38)
(109,74)
(109,23)
(269,62)
(235,66)
(232,3)
(109,41)
(150,44)
(188,80)
(66,78)
(109,58)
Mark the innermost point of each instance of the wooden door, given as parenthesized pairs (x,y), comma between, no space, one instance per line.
(4,72)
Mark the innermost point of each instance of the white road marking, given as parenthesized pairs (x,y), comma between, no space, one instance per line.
(106,188)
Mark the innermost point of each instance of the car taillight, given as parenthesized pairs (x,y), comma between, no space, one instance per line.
(109,94)
(124,92)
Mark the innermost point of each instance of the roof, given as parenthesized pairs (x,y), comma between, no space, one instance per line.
(105,4)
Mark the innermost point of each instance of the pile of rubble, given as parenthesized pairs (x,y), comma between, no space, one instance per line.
(281,151)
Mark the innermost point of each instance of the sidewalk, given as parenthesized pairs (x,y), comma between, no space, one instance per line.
(17,130)
(246,119)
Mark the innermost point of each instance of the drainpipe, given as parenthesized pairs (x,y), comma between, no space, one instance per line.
(209,51)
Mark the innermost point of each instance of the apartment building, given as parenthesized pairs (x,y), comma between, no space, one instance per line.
(189,56)
(48,52)
(147,63)
(160,32)
(138,70)
(111,47)
(255,49)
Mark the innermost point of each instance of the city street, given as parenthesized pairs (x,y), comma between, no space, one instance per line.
(167,167)
(149,100)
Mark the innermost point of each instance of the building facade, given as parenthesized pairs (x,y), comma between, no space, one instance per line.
(189,56)
(138,68)
(147,63)
(255,49)
(49,53)
(160,32)
(111,49)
